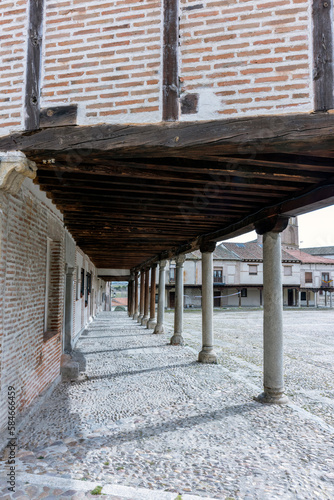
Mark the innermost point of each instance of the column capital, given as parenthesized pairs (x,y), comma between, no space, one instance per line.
(163,263)
(208,246)
(14,168)
(69,270)
(275,224)
(179,259)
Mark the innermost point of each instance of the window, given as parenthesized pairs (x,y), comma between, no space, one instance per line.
(252,268)
(325,280)
(287,270)
(308,277)
(244,292)
(218,276)
(172,274)
(303,296)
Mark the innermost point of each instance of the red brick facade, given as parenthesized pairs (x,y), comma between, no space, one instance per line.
(30,349)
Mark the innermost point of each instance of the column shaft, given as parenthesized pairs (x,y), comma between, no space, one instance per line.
(145,318)
(141,299)
(207,354)
(177,338)
(129,297)
(68,309)
(161,299)
(152,323)
(135,311)
(272,320)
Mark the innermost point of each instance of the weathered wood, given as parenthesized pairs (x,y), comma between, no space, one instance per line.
(210,171)
(59,116)
(33,71)
(170,83)
(256,135)
(323,55)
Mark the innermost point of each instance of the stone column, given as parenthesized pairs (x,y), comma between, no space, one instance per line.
(207,354)
(129,297)
(330,300)
(177,338)
(141,299)
(146,317)
(273,380)
(152,323)
(315,299)
(161,300)
(135,308)
(68,309)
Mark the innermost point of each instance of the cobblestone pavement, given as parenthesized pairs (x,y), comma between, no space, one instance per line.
(145,415)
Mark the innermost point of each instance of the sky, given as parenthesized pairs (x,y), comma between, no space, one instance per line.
(316,229)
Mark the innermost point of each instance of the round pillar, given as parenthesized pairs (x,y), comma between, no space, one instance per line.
(273,380)
(177,338)
(152,322)
(141,298)
(161,300)
(207,354)
(145,318)
(135,305)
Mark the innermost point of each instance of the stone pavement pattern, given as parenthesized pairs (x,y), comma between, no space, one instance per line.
(146,415)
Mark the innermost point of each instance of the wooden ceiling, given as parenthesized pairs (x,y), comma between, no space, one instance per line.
(134,194)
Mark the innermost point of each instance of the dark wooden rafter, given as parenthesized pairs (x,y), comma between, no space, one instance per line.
(135,194)
(33,71)
(170,83)
(323,55)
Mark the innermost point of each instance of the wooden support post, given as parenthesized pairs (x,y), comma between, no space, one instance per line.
(323,54)
(170,101)
(33,73)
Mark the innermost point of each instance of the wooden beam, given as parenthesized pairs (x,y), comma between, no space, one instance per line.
(259,135)
(323,54)
(59,116)
(170,85)
(33,71)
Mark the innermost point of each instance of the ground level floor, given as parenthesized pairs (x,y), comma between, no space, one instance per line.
(252,296)
(146,421)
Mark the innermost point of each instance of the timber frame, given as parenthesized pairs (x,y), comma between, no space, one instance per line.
(132,195)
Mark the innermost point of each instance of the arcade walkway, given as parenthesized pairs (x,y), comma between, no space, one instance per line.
(146,416)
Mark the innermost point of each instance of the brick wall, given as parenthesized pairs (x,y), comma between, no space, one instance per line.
(246,57)
(29,352)
(105,56)
(13,35)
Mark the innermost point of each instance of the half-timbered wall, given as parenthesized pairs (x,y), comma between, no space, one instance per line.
(226,58)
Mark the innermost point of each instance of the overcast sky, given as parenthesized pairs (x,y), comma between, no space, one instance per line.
(316,229)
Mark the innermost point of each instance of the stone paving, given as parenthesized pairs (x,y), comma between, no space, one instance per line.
(147,417)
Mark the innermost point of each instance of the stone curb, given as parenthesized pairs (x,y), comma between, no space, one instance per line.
(126,492)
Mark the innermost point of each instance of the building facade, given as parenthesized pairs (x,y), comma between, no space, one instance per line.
(238,275)
(50,290)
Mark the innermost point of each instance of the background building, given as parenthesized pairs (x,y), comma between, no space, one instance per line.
(238,274)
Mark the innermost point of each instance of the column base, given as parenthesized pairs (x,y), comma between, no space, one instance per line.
(135,316)
(144,321)
(139,318)
(272,398)
(207,357)
(177,339)
(151,324)
(159,329)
